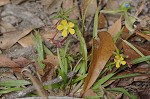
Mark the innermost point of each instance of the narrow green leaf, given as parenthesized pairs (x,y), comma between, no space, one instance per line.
(12,83)
(125,76)
(102,80)
(122,90)
(83,46)
(39,49)
(4,91)
(95,27)
(141,59)
(80,78)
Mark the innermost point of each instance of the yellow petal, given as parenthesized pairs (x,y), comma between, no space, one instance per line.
(64,22)
(121,58)
(60,27)
(64,33)
(72,31)
(115,60)
(117,56)
(123,62)
(71,24)
(117,65)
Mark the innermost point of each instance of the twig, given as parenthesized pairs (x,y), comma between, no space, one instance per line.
(32,88)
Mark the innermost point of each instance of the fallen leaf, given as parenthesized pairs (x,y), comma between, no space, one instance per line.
(128,51)
(54,7)
(116,27)
(6,27)
(146,36)
(10,38)
(140,78)
(7,62)
(3,2)
(17,1)
(145,94)
(89,93)
(103,50)
(46,2)
(73,5)
(51,59)
(88,7)
(102,23)
(26,41)
(21,61)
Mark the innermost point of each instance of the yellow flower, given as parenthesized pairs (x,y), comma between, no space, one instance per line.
(119,60)
(66,28)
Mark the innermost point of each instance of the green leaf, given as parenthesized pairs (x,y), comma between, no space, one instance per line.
(12,83)
(40,51)
(122,90)
(83,47)
(129,20)
(96,24)
(141,59)
(4,91)
(125,76)
(79,78)
(102,80)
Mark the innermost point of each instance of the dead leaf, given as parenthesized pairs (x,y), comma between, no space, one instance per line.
(46,2)
(3,2)
(51,59)
(54,7)
(71,4)
(145,94)
(26,41)
(128,51)
(89,6)
(10,38)
(6,27)
(102,23)
(146,36)
(116,27)
(7,62)
(102,52)
(21,61)
(90,92)
(17,1)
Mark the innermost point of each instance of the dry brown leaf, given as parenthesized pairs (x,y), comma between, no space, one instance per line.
(91,8)
(116,27)
(146,36)
(10,38)
(51,59)
(17,1)
(90,92)
(6,27)
(71,4)
(22,61)
(47,2)
(26,41)
(102,21)
(7,62)
(101,54)
(3,2)
(128,51)
(145,94)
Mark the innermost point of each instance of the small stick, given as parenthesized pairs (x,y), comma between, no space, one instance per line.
(32,88)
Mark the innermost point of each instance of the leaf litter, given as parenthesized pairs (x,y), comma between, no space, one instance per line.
(116,34)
